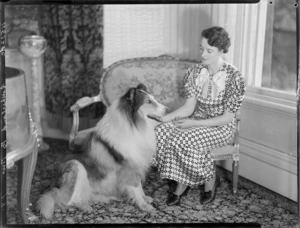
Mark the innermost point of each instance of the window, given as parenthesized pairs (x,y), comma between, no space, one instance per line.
(280,52)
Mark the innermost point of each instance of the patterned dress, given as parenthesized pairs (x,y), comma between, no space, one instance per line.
(184,155)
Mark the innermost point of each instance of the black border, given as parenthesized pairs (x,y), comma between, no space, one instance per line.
(297,2)
(3,123)
(36,2)
(2,104)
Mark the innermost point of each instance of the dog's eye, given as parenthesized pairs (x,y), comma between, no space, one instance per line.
(148,101)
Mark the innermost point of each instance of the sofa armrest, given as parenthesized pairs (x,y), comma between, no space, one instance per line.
(84,102)
(80,104)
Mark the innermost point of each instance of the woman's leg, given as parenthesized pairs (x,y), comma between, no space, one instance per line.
(210,189)
(208,186)
(180,189)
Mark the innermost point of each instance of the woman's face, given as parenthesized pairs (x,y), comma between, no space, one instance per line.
(209,54)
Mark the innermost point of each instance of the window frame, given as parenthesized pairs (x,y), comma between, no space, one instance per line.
(254,23)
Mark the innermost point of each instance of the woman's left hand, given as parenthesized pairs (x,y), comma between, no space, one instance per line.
(184,123)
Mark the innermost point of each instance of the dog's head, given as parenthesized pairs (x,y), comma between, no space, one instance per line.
(126,125)
(137,103)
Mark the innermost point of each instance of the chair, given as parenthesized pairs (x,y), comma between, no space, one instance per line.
(153,72)
(231,151)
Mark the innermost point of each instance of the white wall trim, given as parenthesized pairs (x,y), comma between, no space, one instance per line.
(267,167)
(270,121)
(265,174)
(285,108)
(269,155)
(268,142)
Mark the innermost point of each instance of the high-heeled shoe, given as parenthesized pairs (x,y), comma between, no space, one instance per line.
(174,199)
(207,197)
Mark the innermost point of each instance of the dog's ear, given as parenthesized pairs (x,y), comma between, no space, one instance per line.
(130,94)
(141,86)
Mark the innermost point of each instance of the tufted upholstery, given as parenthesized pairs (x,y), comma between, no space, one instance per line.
(163,77)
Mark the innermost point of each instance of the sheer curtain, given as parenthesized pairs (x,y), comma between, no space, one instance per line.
(152,30)
(245,24)
(132,31)
(182,28)
(173,29)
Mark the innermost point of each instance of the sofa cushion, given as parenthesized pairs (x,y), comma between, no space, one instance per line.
(163,77)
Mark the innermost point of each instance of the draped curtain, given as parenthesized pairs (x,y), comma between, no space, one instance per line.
(73,61)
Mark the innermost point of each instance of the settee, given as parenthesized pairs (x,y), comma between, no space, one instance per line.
(163,77)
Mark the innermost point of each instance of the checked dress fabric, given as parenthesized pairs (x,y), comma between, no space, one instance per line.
(184,155)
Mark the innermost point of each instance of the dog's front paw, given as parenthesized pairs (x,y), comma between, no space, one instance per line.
(87,208)
(148,199)
(146,207)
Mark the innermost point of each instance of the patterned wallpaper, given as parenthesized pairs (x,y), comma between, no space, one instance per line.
(22,17)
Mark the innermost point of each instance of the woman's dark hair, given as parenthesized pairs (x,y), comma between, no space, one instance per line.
(217,37)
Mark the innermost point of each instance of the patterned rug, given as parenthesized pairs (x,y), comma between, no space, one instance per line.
(252,205)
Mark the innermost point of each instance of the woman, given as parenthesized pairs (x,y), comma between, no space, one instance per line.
(214,92)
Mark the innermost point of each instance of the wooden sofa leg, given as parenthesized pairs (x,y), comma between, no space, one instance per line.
(235,175)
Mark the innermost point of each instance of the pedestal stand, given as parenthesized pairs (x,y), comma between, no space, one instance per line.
(33,46)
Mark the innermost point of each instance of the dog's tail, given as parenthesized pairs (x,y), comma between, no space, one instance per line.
(47,202)
(62,195)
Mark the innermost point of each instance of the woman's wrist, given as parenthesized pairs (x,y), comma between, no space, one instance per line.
(170,118)
(166,118)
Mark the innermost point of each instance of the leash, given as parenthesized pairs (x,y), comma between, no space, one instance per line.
(160,186)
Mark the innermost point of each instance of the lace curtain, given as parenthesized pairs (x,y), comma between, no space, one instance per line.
(73,61)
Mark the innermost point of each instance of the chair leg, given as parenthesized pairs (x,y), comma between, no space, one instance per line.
(235,175)
(26,167)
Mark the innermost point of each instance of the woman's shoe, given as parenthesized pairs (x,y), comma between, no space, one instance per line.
(172,186)
(174,199)
(207,197)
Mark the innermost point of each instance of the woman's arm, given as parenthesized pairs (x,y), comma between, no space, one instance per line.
(223,119)
(184,111)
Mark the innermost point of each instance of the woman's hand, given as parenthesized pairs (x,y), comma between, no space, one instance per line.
(184,123)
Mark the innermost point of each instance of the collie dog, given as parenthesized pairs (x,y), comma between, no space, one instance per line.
(114,160)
